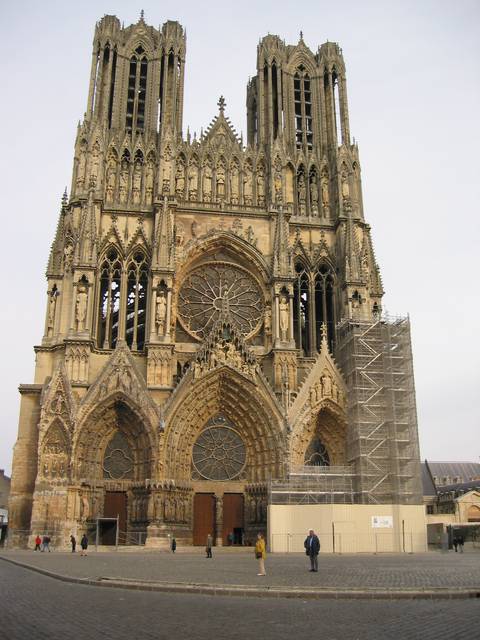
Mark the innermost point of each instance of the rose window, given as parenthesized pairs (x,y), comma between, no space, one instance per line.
(216,289)
(219,452)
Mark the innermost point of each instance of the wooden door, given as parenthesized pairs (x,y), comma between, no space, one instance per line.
(233,521)
(116,505)
(203,517)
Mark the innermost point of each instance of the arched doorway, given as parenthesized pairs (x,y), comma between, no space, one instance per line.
(113,458)
(225,437)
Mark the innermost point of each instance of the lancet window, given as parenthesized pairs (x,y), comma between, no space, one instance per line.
(137,91)
(314,306)
(122,300)
(137,280)
(303,109)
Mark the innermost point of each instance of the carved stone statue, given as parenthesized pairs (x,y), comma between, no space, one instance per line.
(326,381)
(207,183)
(261,185)
(82,162)
(247,186)
(325,195)
(345,187)
(149,182)
(314,193)
(284,318)
(123,185)
(234,193)
(277,185)
(111,179)
(95,161)
(161,312)
(220,182)
(302,189)
(193,181)
(180,180)
(52,304)
(267,322)
(81,307)
(137,182)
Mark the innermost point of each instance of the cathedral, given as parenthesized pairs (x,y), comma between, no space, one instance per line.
(214,336)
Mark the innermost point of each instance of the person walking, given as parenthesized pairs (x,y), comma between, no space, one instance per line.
(461,542)
(46,543)
(84,545)
(312,549)
(260,554)
(73,542)
(455,544)
(209,546)
(38,542)
(174,545)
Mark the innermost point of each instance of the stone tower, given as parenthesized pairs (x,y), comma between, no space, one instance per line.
(211,309)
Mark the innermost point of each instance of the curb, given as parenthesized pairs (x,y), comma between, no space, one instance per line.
(434,593)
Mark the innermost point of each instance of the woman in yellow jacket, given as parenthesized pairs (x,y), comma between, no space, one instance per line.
(260,554)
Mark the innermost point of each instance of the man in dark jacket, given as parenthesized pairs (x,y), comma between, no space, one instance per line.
(312,549)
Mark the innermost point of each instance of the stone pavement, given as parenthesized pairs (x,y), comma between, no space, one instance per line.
(35,607)
(234,572)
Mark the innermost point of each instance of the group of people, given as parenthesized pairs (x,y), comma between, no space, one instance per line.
(43,544)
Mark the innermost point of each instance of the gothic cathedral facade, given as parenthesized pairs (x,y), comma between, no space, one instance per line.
(207,306)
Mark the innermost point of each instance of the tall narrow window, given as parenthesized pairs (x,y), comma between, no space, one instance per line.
(110,282)
(336,106)
(112,87)
(324,305)
(302,95)
(137,91)
(301,302)
(137,282)
(275,100)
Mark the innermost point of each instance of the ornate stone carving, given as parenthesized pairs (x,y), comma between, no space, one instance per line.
(118,458)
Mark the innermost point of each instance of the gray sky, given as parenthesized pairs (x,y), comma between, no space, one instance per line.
(414,97)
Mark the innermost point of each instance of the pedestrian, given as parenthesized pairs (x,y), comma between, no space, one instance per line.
(455,544)
(46,543)
(312,549)
(38,542)
(461,542)
(73,542)
(174,545)
(84,545)
(209,546)
(230,539)
(260,554)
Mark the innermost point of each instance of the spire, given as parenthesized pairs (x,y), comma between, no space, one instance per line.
(351,252)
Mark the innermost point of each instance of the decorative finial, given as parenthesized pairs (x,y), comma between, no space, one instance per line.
(324,332)
(142,14)
(221,104)
(301,35)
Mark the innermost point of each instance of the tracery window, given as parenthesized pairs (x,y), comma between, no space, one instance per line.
(213,289)
(137,90)
(122,315)
(118,458)
(219,452)
(137,280)
(314,305)
(303,108)
(110,283)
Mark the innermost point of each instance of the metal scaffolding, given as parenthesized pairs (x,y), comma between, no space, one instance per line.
(315,485)
(382,442)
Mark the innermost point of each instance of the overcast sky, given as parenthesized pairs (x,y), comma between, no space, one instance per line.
(414,97)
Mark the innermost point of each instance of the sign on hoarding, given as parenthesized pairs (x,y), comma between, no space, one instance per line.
(382,522)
